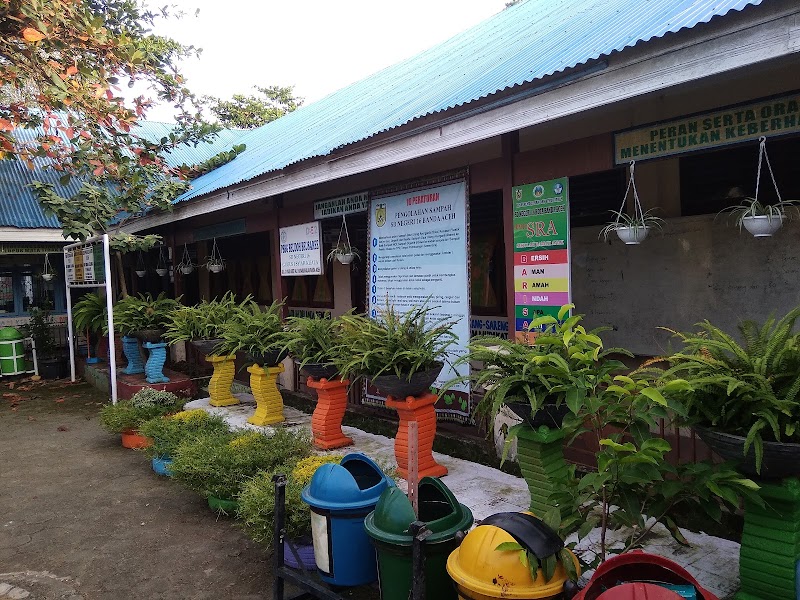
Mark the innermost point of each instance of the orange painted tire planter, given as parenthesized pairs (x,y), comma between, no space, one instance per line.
(326,422)
(132,439)
(419,409)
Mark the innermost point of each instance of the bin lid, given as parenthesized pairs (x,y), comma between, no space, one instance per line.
(639,591)
(438,509)
(9,334)
(479,567)
(354,483)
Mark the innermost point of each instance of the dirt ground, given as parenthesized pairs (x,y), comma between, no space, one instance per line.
(82,518)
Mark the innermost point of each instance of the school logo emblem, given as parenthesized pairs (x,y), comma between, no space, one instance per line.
(538,191)
(380,214)
(558,188)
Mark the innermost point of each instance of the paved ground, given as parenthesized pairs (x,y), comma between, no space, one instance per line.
(83,518)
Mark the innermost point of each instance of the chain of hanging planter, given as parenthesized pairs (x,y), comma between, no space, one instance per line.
(141,269)
(161,265)
(344,251)
(47,271)
(632,230)
(762,220)
(215,262)
(186,266)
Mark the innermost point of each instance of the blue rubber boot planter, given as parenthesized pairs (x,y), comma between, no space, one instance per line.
(130,347)
(155,362)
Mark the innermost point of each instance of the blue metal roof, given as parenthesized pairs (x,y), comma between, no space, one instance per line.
(519,45)
(19,206)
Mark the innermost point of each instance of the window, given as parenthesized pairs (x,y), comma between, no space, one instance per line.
(37,293)
(23,288)
(593,196)
(6,293)
(712,181)
(487,254)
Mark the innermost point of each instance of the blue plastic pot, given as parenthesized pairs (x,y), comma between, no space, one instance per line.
(161,465)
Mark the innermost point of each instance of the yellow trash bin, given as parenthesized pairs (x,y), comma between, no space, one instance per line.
(481,572)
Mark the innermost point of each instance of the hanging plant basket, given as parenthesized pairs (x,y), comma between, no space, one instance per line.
(161,265)
(47,271)
(141,269)
(343,251)
(345,257)
(186,266)
(762,225)
(631,230)
(47,276)
(141,272)
(215,262)
(162,272)
(187,269)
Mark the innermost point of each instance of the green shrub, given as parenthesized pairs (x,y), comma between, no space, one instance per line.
(143,312)
(312,339)
(169,432)
(145,404)
(253,330)
(219,464)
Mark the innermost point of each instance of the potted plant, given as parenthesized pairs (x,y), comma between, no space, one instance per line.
(50,359)
(344,253)
(126,416)
(762,220)
(168,432)
(257,509)
(89,315)
(218,465)
(255,331)
(632,230)
(401,353)
(744,400)
(312,342)
(215,263)
(201,325)
(144,317)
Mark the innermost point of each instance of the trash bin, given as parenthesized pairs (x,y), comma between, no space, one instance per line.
(12,352)
(388,527)
(483,572)
(341,496)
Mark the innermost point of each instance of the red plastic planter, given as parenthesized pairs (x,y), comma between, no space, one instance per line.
(638,566)
(419,409)
(326,422)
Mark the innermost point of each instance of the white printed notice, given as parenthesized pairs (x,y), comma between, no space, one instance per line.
(418,254)
(301,250)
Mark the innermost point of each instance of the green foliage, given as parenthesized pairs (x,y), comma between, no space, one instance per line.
(566,364)
(748,389)
(257,508)
(255,110)
(252,329)
(343,248)
(751,207)
(398,343)
(90,314)
(644,221)
(205,321)
(312,339)
(145,404)
(635,487)
(142,312)
(126,242)
(169,432)
(40,328)
(219,465)
(219,159)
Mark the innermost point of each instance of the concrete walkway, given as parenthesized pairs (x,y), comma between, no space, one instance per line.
(486,491)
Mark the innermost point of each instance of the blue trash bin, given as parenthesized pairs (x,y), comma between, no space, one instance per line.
(341,496)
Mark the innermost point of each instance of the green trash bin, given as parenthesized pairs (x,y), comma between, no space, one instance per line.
(12,352)
(388,525)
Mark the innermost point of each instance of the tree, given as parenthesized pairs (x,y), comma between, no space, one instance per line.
(255,110)
(61,65)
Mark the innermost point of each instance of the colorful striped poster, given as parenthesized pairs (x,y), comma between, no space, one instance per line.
(541,252)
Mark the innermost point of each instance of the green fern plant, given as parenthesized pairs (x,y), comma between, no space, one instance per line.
(90,314)
(143,312)
(205,321)
(312,340)
(748,389)
(253,330)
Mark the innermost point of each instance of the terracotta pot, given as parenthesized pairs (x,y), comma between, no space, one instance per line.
(132,439)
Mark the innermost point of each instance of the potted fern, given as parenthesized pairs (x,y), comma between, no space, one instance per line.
(402,353)
(312,342)
(89,316)
(744,401)
(255,331)
(144,317)
(201,325)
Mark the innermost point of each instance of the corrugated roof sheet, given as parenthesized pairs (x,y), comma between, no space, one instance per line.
(519,45)
(19,206)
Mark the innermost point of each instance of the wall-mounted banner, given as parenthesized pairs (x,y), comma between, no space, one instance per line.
(301,250)
(418,253)
(732,125)
(345,205)
(541,252)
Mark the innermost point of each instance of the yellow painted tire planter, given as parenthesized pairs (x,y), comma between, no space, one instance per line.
(219,388)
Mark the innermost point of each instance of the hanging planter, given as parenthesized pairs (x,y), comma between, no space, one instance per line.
(47,271)
(141,270)
(762,220)
(343,251)
(632,230)
(186,266)
(215,262)
(161,265)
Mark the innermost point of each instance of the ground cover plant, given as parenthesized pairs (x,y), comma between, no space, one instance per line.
(170,431)
(144,405)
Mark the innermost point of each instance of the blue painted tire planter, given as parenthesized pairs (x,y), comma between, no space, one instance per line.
(305,550)
(130,348)
(161,465)
(228,507)
(155,363)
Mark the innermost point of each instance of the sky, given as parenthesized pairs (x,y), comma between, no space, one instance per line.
(319,47)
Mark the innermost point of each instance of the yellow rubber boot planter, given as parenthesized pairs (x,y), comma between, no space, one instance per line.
(219,388)
(269,402)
